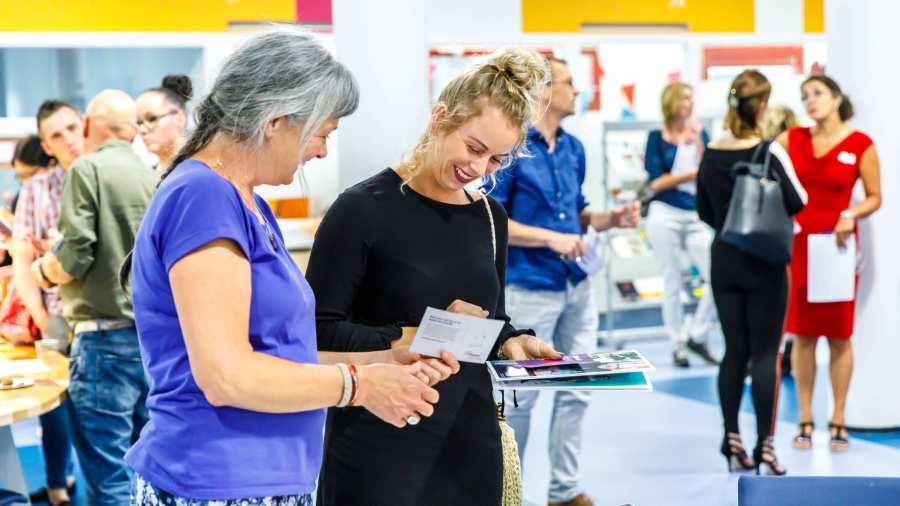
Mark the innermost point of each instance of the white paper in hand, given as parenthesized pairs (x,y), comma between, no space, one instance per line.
(469,338)
(685,161)
(831,271)
(594,258)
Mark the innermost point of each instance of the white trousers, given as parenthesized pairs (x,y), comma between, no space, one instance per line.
(674,232)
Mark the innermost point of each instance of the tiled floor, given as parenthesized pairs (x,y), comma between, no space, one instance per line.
(661,448)
(657,448)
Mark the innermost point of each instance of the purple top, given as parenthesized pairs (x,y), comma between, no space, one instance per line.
(191,448)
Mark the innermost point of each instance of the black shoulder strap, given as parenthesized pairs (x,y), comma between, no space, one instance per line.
(761,169)
(759,148)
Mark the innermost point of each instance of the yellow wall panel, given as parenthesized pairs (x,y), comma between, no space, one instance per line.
(814,16)
(139,15)
(638,15)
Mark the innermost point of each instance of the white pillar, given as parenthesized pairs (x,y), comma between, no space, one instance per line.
(863,41)
(383,43)
(779,17)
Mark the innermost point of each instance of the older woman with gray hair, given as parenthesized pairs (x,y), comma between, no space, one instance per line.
(225,318)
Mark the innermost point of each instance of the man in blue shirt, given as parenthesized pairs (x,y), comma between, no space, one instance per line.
(546,289)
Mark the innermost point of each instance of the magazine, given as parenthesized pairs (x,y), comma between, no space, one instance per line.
(570,366)
(636,380)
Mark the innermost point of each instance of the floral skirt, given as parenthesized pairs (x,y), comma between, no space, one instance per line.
(143,493)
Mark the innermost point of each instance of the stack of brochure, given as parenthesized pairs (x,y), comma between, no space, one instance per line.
(613,370)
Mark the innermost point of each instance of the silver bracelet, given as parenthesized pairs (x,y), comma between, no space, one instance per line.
(348,386)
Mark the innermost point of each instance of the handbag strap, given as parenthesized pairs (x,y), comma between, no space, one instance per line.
(757,150)
(765,166)
(490,214)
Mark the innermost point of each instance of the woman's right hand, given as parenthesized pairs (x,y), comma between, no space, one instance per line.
(434,370)
(843,230)
(394,393)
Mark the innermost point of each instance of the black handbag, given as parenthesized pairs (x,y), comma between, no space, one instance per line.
(758,222)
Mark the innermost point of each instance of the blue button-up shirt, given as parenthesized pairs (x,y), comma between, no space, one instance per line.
(544,190)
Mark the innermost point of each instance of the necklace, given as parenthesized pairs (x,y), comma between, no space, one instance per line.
(254,208)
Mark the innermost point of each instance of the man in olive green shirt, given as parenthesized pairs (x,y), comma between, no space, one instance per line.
(104,197)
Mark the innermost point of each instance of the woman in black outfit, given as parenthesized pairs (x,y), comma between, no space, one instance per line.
(750,294)
(412,237)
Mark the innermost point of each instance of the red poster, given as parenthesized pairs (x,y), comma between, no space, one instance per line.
(314,12)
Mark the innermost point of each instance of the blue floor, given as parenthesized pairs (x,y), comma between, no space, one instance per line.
(661,448)
(653,448)
(33,464)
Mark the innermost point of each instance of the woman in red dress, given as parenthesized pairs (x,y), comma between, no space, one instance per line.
(828,158)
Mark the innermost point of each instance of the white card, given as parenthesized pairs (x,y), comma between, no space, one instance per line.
(685,161)
(470,339)
(594,258)
(831,271)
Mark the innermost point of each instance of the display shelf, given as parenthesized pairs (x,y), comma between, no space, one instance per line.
(630,256)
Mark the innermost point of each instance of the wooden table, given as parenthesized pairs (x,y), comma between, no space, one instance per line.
(46,394)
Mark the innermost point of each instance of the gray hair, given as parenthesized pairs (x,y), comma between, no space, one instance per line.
(280,73)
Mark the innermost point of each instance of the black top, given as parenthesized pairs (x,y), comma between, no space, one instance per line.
(382,255)
(715,182)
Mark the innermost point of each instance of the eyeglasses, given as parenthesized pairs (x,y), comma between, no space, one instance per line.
(569,82)
(150,121)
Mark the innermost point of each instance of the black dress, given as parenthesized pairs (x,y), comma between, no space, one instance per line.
(750,294)
(381,256)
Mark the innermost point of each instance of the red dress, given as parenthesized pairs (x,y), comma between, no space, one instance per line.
(829,182)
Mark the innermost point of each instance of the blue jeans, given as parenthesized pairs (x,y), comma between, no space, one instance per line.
(108,392)
(567,320)
(56,444)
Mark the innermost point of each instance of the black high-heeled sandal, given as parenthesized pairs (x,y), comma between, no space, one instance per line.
(840,438)
(735,454)
(43,495)
(764,455)
(803,439)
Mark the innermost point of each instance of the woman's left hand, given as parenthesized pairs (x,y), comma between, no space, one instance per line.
(527,347)
(843,229)
(434,370)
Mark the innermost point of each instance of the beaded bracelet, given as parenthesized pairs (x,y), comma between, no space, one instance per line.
(348,386)
(355,378)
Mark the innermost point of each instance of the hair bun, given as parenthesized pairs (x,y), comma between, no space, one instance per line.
(180,85)
(525,68)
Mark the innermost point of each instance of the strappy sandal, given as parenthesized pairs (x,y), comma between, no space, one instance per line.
(735,454)
(840,438)
(766,461)
(803,439)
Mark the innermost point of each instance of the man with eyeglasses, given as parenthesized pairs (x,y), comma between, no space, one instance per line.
(546,288)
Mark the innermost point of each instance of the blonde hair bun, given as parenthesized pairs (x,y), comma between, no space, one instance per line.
(525,68)
(511,79)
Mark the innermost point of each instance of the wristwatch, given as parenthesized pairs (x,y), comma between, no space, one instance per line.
(846,213)
(41,271)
